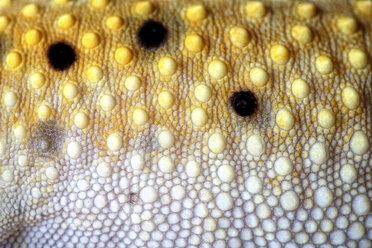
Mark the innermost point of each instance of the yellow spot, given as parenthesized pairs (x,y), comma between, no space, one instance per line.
(350,98)
(279,54)
(199,117)
(123,55)
(10,99)
(196,12)
(359,143)
(302,34)
(114,142)
(114,22)
(239,37)
(284,119)
(4,23)
(36,80)
(43,111)
(143,8)
(30,10)
(167,66)
(364,7)
(306,10)
(202,93)
(107,102)
(324,64)
(217,69)
(258,76)
(70,91)
(13,59)
(358,58)
(90,40)
(255,9)
(166,99)
(61,2)
(326,118)
(66,21)
(194,43)
(19,132)
(216,143)
(81,120)
(139,117)
(5,3)
(94,74)
(132,83)
(300,88)
(347,25)
(33,37)
(99,4)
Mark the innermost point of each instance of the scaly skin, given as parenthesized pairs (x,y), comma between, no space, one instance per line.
(126,149)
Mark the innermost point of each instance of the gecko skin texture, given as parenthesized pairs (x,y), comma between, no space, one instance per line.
(185,123)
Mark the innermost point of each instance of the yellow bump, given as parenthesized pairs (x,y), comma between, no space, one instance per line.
(364,7)
(194,43)
(66,21)
(23,160)
(306,10)
(350,97)
(258,76)
(326,118)
(132,83)
(90,40)
(166,139)
(61,2)
(217,69)
(279,54)
(199,117)
(255,9)
(30,10)
(94,74)
(359,143)
(43,111)
(347,25)
(33,37)
(4,23)
(123,55)
(13,59)
(107,102)
(5,3)
(302,34)
(166,99)
(99,4)
(167,66)
(139,117)
(202,93)
(114,142)
(300,88)
(19,132)
(70,90)
(239,37)
(10,99)
(36,80)
(196,12)
(143,8)
(81,120)
(216,143)
(284,119)
(324,64)
(358,58)
(114,22)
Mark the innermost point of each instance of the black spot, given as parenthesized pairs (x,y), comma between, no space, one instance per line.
(152,34)
(244,103)
(46,140)
(61,56)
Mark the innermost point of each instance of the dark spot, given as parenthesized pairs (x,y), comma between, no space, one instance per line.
(132,198)
(46,140)
(61,56)
(244,103)
(152,34)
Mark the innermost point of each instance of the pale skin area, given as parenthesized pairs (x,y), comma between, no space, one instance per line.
(137,148)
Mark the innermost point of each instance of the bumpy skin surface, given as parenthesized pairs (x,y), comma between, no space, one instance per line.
(128,149)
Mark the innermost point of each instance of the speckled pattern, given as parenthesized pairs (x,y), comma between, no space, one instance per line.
(135,147)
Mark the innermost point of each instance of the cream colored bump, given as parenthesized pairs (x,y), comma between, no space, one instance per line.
(13,59)
(107,102)
(94,74)
(302,34)
(194,43)
(226,173)
(7,175)
(196,12)
(144,8)
(217,143)
(239,37)
(258,76)
(104,169)
(166,164)
(318,153)
(43,111)
(326,118)
(10,99)
(4,23)
(132,83)
(70,90)
(348,173)
(114,142)
(202,93)
(30,10)
(217,69)
(99,4)
(123,55)
(140,117)
(359,143)
(5,3)
(51,173)
(347,25)
(36,80)
(255,9)
(23,160)
(90,40)
(283,166)
(81,120)
(306,10)
(363,7)
(74,149)
(19,132)
(114,22)
(284,119)
(300,88)
(350,97)
(33,37)
(166,99)
(66,21)
(358,58)
(167,66)
(324,64)
(166,139)
(279,54)
(199,117)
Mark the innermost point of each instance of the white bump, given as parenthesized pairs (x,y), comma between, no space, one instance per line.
(7,175)
(166,164)
(318,153)
(289,201)
(255,145)
(224,201)
(51,173)
(82,185)
(356,231)
(23,160)
(35,193)
(263,211)
(201,210)
(137,162)
(202,93)
(199,117)
(107,102)
(337,237)
(253,184)
(216,143)
(104,169)
(178,192)
(323,197)
(192,168)
(10,99)
(114,142)
(283,166)
(100,201)
(166,139)
(361,205)
(74,149)
(148,194)
(226,173)
(348,173)
(359,143)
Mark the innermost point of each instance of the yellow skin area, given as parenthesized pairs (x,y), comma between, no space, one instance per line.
(289,118)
